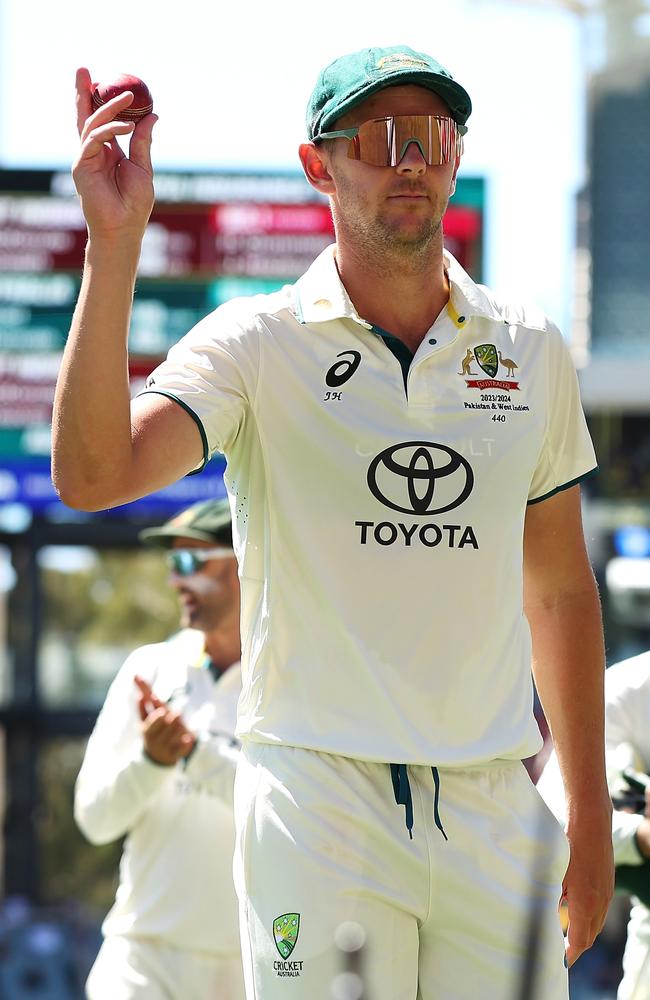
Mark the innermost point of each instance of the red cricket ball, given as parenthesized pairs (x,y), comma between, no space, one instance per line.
(142,99)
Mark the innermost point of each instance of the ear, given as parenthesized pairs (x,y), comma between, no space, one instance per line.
(452,185)
(314,163)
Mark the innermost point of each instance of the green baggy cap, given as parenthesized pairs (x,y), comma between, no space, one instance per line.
(350,79)
(207,521)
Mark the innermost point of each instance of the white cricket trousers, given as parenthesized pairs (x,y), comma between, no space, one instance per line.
(129,968)
(322,840)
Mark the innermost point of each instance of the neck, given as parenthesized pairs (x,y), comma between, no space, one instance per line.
(223,646)
(401,293)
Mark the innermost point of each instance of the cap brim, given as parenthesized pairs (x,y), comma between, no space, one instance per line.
(163,537)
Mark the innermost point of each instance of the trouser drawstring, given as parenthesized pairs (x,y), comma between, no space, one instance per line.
(402,789)
(436,801)
(403,797)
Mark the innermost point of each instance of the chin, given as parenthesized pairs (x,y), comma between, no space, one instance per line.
(410,229)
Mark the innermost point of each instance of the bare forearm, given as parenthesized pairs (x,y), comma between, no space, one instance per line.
(91,420)
(568,664)
(562,606)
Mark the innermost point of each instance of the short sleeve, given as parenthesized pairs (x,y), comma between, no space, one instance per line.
(212,373)
(567,454)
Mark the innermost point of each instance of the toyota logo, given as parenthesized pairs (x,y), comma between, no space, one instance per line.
(419,477)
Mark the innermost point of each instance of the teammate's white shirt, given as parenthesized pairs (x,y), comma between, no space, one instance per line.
(176,869)
(627,736)
(627,742)
(379,529)
(627,692)
(627,730)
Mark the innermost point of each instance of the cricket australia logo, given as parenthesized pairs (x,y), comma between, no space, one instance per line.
(490,360)
(486,358)
(285,935)
(285,932)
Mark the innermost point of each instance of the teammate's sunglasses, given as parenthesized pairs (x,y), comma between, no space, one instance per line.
(382,142)
(184,562)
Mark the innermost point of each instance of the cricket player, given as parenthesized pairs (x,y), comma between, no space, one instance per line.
(159,769)
(404,455)
(627,731)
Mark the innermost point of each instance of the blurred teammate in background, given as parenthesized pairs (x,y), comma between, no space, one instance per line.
(627,728)
(159,769)
(391,520)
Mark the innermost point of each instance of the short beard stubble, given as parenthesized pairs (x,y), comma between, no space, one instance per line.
(381,243)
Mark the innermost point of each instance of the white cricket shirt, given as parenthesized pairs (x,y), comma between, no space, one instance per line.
(627,743)
(176,870)
(379,525)
(627,731)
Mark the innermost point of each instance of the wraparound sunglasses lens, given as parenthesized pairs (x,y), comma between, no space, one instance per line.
(382,142)
(184,562)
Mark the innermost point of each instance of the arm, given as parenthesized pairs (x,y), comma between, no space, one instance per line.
(212,764)
(631,830)
(631,837)
(624,824)
(117,779)
(643,830)
(104,454)
(209,759)
(562,606)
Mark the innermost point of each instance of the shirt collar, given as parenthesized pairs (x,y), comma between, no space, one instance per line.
(230,678)
(466,297)
(320,295)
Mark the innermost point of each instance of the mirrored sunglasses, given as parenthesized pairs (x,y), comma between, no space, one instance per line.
(184,562)
(383,142)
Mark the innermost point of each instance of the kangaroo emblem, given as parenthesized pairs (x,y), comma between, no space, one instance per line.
(466,363)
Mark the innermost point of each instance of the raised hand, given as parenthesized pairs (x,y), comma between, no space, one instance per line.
(166,737)
(116,190)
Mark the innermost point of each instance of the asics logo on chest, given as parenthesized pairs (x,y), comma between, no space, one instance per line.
(343,370)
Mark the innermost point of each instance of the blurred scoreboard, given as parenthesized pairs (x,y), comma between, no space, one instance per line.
(211,237)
